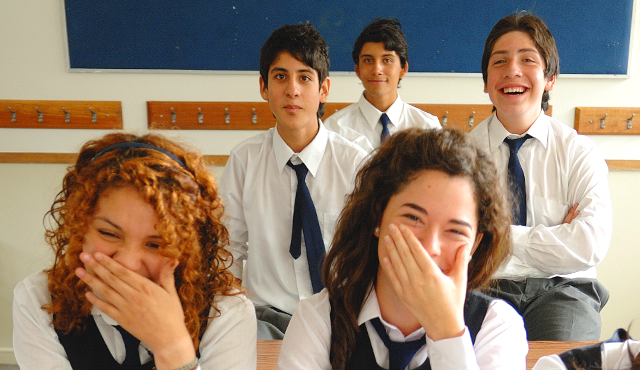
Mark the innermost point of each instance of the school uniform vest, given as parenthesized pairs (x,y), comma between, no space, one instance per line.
(589,357)
(88,351)
(475,309)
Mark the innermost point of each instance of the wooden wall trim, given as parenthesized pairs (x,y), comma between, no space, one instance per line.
(221,160)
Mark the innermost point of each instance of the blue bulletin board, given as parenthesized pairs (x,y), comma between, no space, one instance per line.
(593,36)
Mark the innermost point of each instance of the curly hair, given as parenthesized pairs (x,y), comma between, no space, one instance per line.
(185,199)
(351,266)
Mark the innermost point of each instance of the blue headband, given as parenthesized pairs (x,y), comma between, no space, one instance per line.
(139,145)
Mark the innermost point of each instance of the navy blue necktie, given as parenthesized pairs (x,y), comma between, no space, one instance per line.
(131,344)
(517,181)
(400,353)
(305,220)
(384,120)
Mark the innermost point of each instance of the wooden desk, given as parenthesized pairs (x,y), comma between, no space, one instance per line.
(268,351)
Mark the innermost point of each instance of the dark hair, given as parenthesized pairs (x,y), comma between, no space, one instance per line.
(538,31)
(185,198)
(352,263)
(304,43)
(387,31)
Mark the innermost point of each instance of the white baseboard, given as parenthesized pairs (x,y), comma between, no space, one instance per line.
(6,356)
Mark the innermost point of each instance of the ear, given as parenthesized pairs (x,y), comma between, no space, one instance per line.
(477,243)
(548,86)
(405,69)
(376,231)
(357,69)
(263,90)
(324,90)
(486,91)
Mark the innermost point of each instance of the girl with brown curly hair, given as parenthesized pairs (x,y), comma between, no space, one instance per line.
(425,227)
(140,277)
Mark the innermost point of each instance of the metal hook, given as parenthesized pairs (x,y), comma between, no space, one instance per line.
(40,115)
(254,116)
(227,116)
(13,115)
(94,116)
(67,115)
(602,120)
(629,121)
(473,113)
(173,116)
(444,119)
(200,116)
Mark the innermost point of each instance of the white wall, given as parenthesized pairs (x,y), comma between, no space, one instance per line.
(33,66)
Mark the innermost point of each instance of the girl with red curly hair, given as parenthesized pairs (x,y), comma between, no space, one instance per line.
(140,277)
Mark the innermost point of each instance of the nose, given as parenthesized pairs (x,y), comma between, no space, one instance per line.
(130,257)
(513,69)
(293,89)
(431,243)
(377,67)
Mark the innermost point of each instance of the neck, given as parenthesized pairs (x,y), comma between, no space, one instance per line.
(519,123)
(298,139)
(382,103)
(391,309)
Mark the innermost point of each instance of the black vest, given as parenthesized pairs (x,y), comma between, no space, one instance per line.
(475,309)
(589,357)
(88,351)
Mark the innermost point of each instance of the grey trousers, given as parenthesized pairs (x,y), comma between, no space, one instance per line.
(555,309)
(272,323)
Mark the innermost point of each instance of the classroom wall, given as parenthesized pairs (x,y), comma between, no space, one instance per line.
(33,66)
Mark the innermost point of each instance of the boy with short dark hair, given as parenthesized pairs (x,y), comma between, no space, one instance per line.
(381,59)
(562,209)
(284,189)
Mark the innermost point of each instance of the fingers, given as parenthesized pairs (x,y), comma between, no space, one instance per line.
(166,279)
(460,267)
(572,214)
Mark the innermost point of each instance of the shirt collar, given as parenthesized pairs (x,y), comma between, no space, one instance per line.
(371,309)
(539,130)
(311,155)
(372,114)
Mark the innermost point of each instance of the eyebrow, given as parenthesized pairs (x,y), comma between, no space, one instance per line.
(524,50)
(105,219)
(424,211)
(280,69)
(384,55)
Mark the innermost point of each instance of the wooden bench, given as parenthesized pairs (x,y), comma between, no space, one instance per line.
(268,351)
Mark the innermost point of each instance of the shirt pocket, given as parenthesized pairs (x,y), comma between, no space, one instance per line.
(329,220)
(548,212)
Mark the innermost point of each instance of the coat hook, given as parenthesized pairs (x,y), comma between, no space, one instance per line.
(254,116)
(473,113)
(13,115)
(200,116)
(227,116)
(602,121)
(444,119)
(40,115)
(94,116)
(629,121)
(67,115)
(173,116)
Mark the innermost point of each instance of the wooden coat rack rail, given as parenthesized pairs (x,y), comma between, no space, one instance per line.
(65,114)
(607,121)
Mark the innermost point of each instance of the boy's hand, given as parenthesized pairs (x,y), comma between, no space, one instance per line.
(151,312)
(572,214)
(434,298)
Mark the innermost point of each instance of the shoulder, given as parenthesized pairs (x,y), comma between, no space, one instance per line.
(34,289)
(338,117)
(343,147)
(253,144)
(480,134)
(578,147)
(237,305)
(420,118)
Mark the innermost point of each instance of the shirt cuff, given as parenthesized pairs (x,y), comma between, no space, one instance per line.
(452,353)
(520,238)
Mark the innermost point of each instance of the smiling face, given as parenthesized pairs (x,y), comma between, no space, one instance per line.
(380,71)
(441,212)
(516,82)
(294,94)
(123,228)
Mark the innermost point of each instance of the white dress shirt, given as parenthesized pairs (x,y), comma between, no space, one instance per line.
(360,122)
(229,341)
(259,190)
(501,342)
(615,356)
(561,169)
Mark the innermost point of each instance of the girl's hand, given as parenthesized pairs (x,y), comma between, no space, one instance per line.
(434,298)
(151,312)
